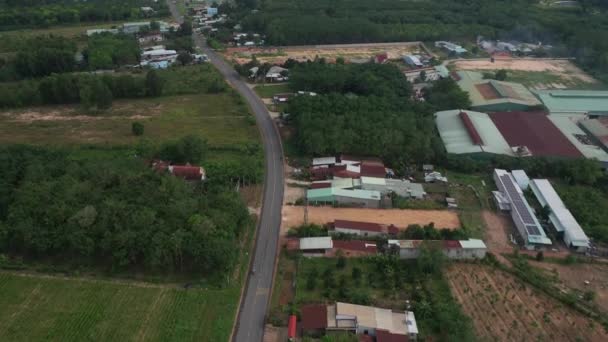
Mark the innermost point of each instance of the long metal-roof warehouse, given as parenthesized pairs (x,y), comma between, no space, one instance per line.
(560,216)
(592,102)
(527,224)
(494,96)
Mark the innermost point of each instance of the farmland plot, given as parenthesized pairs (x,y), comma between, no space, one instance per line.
(504,308)
(34,308)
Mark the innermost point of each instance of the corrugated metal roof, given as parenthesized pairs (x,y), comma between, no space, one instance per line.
(324,161)
(457,140)
(322,242)
(574,101)
(560,215)
(357,193)
(568,125)
(373,180)
(507,92)
(319,193)
(472,244)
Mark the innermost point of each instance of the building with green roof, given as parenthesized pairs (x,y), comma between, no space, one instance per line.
(591,102)
(345,197)
(495,96)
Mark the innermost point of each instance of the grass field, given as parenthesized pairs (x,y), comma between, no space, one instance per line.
(214,117)
(43,308)
(268,91)
(471,202)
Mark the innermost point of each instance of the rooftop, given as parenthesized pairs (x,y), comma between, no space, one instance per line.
(486,93)
(322,242)
(575,101)
(560,216)
(314,317)
(357,225)
(521,208)
(535,131)
(356,245)
(380,319)
(474,132)
(584,143)
(598,128)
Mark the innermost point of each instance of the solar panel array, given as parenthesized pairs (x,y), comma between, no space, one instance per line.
(518,202)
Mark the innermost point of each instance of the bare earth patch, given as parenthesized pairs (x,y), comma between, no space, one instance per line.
(75,113)
(562,68)
(503,308)
(275,55)
(574,276)
(294,216)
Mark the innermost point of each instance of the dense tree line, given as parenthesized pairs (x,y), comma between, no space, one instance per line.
(44,55)
(78,87)
(590,207)
(108,51)
(578,32)
(366,110)
(43,13)
(114,212)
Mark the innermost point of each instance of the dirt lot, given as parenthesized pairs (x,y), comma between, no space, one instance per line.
(557,73)
(497,234)
(278,55)
(574,276)
(504,308)
(294,216)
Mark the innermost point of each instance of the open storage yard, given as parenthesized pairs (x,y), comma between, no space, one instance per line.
(35,308)
(504,308)
(294,216)
(278,55)
(534,73)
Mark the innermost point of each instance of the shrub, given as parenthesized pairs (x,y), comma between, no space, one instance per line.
(137,128)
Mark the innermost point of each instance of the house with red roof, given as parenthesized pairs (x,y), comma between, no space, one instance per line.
(362,228)
(190,173)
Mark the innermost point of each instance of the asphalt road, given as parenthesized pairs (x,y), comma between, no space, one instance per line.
(256,298)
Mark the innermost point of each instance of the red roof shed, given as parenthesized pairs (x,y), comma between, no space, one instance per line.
(291,328)
(314,317)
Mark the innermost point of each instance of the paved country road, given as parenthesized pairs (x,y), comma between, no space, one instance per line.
(254,304)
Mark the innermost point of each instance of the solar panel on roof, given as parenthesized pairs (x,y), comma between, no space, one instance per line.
(520,206)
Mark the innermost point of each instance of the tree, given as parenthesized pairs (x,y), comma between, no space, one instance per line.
(540,256)
(154,84)
(137,128)
(501,75)
(431,259)
(155,25)
(184,58)
(185,29)
(423,76)
(341,263)
(356,274)
(189,149)
(95,93)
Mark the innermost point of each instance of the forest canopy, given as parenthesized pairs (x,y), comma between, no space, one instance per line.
(114,212)
(366,110)
(577,32)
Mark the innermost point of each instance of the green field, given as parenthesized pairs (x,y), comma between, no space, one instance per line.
(215,117)
(42,308)
(267,91)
